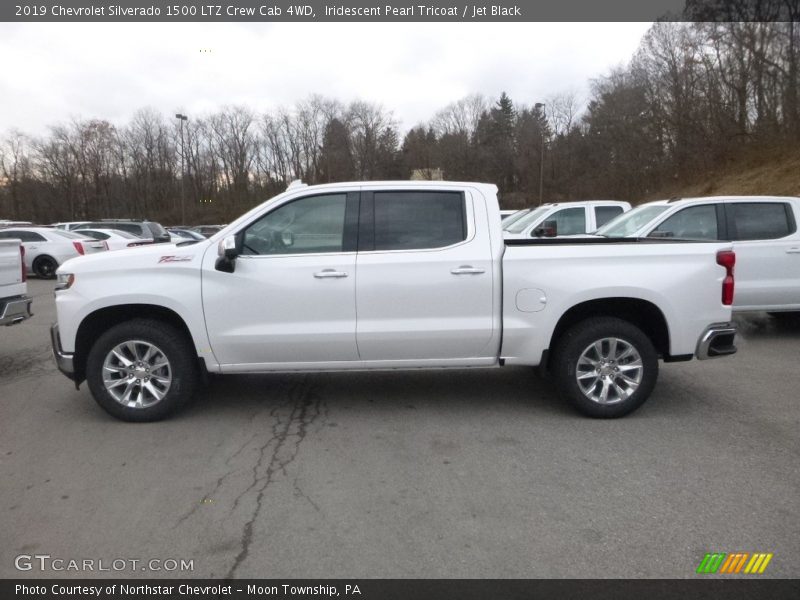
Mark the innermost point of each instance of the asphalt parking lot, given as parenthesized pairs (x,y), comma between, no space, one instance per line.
(430,474)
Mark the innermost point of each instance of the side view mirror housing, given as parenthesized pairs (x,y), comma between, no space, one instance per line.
(227,251)
(547,229)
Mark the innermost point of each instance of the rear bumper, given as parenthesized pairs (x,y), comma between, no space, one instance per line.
(15,310)
(717,340)
(64,361)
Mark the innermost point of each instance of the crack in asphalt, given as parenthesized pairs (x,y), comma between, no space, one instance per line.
(276,454)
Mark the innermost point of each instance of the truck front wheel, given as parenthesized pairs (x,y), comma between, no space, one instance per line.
(142,370)
(606,367)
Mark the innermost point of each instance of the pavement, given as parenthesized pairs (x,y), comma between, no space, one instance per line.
(461,473)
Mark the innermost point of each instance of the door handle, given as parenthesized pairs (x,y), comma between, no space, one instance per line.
(467,270)
(793,251)
(329,274)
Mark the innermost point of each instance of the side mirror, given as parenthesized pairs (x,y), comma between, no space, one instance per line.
(547,229)
(227,250)
(228,247)
(287,238)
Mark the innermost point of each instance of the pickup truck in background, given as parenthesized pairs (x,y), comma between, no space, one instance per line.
(564,218)
(763,231)
(388,275)
(15,304)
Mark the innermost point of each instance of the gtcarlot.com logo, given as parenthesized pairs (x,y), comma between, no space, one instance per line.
(45,562)
(735,563)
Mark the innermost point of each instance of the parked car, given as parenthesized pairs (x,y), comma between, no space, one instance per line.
(15,304)
(564,218)
(763,231)
(71,225)
(184,235)
(115,239)
(436,287)
(47,248)
(504,214)
(143,229)
(208,230)
(5,224)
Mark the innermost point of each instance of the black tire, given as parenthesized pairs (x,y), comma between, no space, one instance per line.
(576,340)
(45,267)
(172,344)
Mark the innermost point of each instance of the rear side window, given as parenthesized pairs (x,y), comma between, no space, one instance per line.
(23,236)
(761,220)
(603,214)
(693,223)
(419,220)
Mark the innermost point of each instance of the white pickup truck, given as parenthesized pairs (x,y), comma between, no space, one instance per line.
(564,218)
(763,231)
(15,304)
(388,275)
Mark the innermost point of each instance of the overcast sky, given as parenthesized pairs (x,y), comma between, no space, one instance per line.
(53,72)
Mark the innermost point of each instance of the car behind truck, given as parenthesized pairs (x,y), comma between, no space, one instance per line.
(388,275)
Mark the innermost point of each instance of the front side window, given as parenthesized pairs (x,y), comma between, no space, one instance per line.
(419,220)
(308,225)
(693,223)
(761,220)
(569,221)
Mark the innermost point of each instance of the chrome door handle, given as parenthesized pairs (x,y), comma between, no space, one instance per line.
(467,270)
(329,273)
(793,251)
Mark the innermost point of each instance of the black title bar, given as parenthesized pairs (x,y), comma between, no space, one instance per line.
(394,10)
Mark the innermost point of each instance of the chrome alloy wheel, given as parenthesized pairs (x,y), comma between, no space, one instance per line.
(609,371)
(137,374)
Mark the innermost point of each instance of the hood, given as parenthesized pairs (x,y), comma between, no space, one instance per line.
(138,257)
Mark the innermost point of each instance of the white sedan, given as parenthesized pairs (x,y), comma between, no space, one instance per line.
(116,239)
(47,248)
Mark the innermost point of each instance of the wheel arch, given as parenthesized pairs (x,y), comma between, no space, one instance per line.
(639,312)
(102,319)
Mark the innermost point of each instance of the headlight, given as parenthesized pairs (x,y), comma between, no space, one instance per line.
(65,281)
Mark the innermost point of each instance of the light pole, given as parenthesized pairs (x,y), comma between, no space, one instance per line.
(183,203)
(540,105)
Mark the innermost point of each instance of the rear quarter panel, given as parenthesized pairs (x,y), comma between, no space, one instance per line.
(682,280)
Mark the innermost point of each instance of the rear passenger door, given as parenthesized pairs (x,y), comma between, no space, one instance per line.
(424,277)
(767,254)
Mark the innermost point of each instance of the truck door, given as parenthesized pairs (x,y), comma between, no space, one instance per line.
(424,285)
(767,254)
(291,298)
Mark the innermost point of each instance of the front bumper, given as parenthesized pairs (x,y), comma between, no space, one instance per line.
(15,310)
(64,361)
(717,340)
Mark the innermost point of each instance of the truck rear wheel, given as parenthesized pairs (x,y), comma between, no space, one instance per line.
(605,366)
(142,370)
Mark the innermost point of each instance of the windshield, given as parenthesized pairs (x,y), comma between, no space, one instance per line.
(520,224)
(514,217)
(632,221)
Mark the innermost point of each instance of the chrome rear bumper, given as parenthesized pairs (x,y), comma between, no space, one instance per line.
(717,340)
(15,310)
